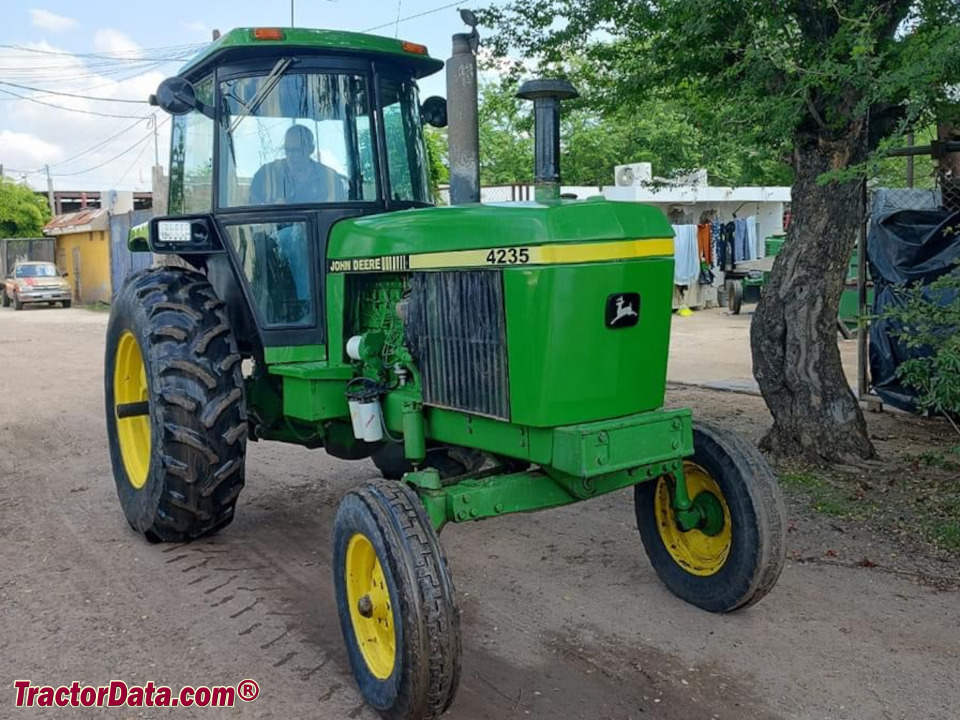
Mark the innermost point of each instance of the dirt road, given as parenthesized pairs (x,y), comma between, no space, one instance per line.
(562,615)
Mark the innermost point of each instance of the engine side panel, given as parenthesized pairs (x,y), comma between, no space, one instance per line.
(566,364)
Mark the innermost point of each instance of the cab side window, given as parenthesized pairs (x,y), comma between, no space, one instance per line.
(191,158)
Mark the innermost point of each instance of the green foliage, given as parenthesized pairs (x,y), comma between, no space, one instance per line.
(780,76)
(891,172)
(506,137)
(22,213)
(930,317)
(437,145)
(595,139)
(931,458)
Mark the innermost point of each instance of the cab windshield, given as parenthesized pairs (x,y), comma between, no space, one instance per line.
(302,138)
(46,270)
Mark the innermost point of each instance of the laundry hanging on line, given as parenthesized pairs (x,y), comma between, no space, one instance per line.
(736,240)
(704,243)
(686,255)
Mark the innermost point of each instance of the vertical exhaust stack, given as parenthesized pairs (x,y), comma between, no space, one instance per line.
(547,95)
(463,115)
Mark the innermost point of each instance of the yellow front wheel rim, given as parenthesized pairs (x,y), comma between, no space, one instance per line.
(130,386)
(697,553)
(371,608)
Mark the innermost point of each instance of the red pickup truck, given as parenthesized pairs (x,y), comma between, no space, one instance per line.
(35,282)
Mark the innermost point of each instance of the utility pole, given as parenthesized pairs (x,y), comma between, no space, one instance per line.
(53,204)
(291,13)
(156,142)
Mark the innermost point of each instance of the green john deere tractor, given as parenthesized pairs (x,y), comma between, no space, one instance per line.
(490,359)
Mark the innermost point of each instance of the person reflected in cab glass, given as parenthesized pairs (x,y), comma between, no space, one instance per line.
(297,177)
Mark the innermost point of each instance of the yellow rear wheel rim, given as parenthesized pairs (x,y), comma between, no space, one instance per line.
(130,386)
(371,608)
(697,553)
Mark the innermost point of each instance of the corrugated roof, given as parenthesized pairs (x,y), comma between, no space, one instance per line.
(83,221)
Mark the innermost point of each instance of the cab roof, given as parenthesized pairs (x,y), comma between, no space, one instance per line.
(260,42)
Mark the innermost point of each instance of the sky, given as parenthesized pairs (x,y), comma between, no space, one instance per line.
(122,50)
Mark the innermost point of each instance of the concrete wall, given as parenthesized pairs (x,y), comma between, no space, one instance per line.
(91,280)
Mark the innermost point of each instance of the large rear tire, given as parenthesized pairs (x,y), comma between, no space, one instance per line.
(396,602)
(5,298)
(736,561)
(176,419)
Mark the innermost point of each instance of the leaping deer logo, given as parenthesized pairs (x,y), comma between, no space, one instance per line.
(624,309)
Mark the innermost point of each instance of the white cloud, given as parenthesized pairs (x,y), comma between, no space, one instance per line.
(25,151)
(50,21)
(108,40)
(197,26)
(32,135)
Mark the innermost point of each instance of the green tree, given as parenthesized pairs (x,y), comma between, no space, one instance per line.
(436,141)
(22,212)
(929,317)
(506,136)
(595,137)
(826,81)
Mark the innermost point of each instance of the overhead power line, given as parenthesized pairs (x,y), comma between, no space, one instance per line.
(96,146)
(70,109)
(175,52)
(119,155)
(131,166)
(412,17)
(73,95)
(102,143)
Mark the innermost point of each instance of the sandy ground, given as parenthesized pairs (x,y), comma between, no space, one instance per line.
(712,348)
(562,615)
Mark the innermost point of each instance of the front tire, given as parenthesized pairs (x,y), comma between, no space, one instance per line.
(17,305)
(396,602)
(67,303)
(173,371)
(734,563)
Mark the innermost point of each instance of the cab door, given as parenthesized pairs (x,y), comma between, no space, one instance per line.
(297,151)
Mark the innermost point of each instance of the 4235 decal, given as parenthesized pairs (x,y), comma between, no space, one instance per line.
(509,256)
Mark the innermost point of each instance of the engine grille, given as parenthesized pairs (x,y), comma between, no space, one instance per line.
(456,330)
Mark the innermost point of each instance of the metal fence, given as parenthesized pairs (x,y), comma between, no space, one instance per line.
(14,250)
(495,194)
(124,263)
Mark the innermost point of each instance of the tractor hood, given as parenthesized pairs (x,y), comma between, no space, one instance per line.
(481,227)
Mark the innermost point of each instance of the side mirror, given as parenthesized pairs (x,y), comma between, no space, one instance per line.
(175,95)
(433,111)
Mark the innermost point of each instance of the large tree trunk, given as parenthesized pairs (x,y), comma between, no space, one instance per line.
(948,170)
(796,359)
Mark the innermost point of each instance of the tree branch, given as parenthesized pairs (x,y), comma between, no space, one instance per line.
(813,109)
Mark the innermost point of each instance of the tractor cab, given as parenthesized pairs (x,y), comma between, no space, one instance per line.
(277,135)
(489,359)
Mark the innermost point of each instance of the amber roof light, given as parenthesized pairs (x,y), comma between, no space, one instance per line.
(414,48)
(268,34)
